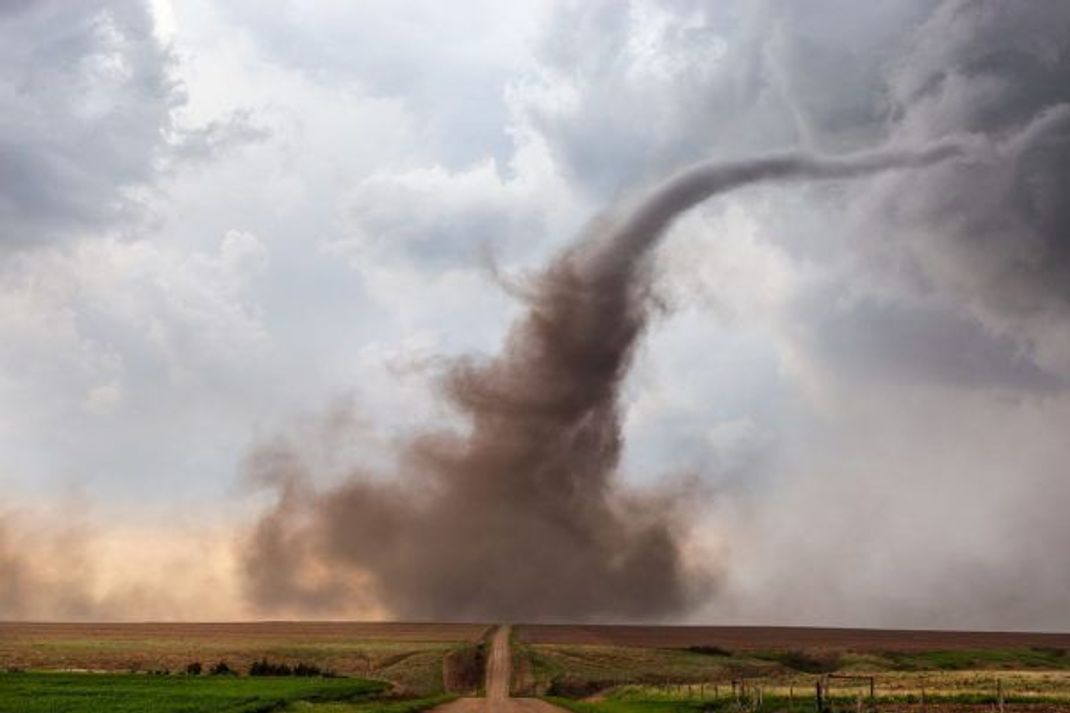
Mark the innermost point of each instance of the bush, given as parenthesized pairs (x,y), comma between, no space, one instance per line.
(568,686)
(194,669)
(1052,651)
(222,669)
(811,661)
(709,650)
(263,667)
(305,669)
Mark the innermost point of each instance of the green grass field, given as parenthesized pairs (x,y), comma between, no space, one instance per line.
(140,693)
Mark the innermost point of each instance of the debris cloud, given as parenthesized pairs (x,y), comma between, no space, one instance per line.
(521,517)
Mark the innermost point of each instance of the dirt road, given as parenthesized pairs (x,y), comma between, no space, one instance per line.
(499,672)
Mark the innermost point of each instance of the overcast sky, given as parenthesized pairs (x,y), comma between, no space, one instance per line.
(228,223)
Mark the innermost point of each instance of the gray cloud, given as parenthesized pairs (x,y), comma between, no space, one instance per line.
(450,68)
(897,341)
(214,139)
(997,238)
(85,101)
(933,351)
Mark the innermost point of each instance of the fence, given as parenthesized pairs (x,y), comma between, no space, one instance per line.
(829,693)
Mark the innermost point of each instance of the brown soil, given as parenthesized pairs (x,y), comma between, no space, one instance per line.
(759,638)
(327,630)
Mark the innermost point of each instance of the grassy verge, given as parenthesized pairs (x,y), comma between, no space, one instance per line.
(132,693)
(642,699)
(627,706)
(411,705)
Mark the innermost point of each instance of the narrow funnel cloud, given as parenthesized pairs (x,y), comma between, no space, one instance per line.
(520,517)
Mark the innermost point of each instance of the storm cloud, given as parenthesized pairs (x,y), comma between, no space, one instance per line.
(217,218)
(86,98)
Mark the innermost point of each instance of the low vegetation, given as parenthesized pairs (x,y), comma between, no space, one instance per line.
(411,705)
(622,679)
(644,699)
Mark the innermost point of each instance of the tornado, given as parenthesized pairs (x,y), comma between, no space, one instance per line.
(520,515)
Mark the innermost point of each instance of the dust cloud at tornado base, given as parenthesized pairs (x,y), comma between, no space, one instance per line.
(521,517)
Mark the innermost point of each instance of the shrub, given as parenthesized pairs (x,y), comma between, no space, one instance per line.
(222,669)
(263,667)
(1052,651)
(709,650)
(305,669)
(194,669)
(811,661)
(568,686)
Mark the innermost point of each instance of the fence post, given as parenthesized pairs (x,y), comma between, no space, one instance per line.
(999,693)
(817,695)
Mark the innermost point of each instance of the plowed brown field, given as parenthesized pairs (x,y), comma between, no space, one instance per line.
(763,638)
(304,630)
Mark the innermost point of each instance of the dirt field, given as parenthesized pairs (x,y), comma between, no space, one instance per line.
(737,638)
(325,630)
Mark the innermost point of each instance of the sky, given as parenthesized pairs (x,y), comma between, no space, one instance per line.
(247,228)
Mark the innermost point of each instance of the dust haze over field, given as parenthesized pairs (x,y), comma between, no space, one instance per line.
(521,518)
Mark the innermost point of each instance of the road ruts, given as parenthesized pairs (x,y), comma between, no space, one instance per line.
(499,673)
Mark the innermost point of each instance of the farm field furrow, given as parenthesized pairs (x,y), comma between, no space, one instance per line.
(758,638)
